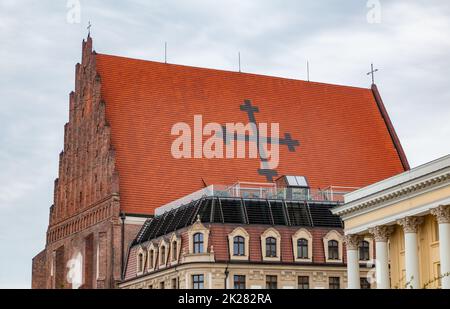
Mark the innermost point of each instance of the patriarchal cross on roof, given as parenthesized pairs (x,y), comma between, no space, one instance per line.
(287,141)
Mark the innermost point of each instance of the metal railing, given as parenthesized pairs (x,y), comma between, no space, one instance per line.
(249,190)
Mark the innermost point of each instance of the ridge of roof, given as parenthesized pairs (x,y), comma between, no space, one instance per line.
(232,72)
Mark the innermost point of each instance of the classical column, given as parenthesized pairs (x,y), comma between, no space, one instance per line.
(352,245)
(381,235)
(442,214)
(410,227)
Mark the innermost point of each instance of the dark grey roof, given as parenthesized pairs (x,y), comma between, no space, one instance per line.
(241,211)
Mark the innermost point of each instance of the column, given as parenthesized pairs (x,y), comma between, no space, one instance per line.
(381,235)
(410,227)
(352,245)
(442,214)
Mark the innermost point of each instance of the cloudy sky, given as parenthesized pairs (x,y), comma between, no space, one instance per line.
(40,43)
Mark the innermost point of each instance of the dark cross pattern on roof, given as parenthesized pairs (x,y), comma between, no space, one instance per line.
(251,110)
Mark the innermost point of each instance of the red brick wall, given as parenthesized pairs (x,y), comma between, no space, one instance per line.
(39,270)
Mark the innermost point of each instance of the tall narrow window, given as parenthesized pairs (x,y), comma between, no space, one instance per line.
(333,250)
(140,262)
(174,250)
(271,247)
(198,282)
(364,252)
(198,243)
(163,255)
(151,258)
(239,246)
(302,248)
(271,282)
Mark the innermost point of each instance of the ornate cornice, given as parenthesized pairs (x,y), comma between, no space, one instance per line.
(392,195)
(410,224)
(442,214)
(382,233)
(352,242)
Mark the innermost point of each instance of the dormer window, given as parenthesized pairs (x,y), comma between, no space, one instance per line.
(140,262)
(333,245)
(198,243)
(239,246)
(302,249)
(151,259)
(333,250)
(174,250)
(271,247)
(163,255)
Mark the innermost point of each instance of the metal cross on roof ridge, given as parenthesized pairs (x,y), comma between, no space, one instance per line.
(254,137)
(372,72)
(89,28)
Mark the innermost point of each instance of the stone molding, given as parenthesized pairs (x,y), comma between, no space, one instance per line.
(352,241)
(382,233)
(442,214)
(410,224)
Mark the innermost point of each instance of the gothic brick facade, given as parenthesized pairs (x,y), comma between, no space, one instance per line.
(85,216)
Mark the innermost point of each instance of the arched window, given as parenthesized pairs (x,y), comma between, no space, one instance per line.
(163,255)
(271,247)
(174,250)
(364,254)
(302,248)
(151,258)
(333,250)
(239,246)
(198,243)
(140,262)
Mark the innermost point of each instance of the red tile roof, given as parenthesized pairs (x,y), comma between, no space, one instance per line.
(344,138)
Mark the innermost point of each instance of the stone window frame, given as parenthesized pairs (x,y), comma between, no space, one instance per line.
(239,231)
(271,232)
(140,266)
(175,238)
(162,263)
(334,235)
(303,234)
(198,227)
(155,255)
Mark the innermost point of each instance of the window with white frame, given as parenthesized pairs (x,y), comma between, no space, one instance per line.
(271,245)
(198,243)
(333,247)
(238,242)
(302,242)
(140,261)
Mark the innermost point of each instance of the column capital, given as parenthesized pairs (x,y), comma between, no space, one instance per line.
(381,233)
(410,224)
(442,214)
(352,241)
